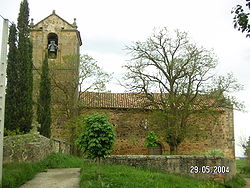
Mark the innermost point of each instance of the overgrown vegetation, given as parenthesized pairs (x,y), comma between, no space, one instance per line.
(16,174)
(127,177)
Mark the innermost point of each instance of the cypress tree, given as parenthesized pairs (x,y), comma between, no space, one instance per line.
(24,66)
(11,99)
(44,100)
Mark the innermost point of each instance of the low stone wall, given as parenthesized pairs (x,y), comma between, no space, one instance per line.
(201,167)
(31,148)
(60,146)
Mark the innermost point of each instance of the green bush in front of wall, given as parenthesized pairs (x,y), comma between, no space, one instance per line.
(151,139)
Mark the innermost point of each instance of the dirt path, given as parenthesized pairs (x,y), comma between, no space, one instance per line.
(55,178)
(248,183)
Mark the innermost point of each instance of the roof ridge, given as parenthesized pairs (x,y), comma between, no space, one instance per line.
(53,13)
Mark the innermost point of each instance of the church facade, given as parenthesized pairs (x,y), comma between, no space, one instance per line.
(59,39)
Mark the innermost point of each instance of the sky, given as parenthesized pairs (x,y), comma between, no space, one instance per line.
(108,26)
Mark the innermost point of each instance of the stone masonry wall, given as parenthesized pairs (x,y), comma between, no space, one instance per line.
(63,71)
(133,125)
(201,167)
(68,41)
(31,148)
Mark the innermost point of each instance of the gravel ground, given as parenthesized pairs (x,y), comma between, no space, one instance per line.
(55,178)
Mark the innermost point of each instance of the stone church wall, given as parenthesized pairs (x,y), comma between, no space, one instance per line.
(133,125)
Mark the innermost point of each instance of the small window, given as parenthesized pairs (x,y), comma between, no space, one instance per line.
(52,45)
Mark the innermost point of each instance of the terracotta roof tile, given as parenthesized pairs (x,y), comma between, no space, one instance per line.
(118,100)
(112,100)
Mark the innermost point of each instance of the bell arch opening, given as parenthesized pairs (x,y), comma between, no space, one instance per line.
(52,45)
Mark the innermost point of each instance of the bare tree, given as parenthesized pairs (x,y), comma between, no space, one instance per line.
(177,78)
(70,79)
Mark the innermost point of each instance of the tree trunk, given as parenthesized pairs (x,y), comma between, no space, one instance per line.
(99,168)
(173,149)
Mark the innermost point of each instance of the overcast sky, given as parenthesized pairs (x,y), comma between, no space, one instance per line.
(107,26)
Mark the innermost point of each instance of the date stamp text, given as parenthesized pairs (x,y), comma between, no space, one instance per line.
(209,169)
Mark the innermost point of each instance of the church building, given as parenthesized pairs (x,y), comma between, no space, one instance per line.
(61,41)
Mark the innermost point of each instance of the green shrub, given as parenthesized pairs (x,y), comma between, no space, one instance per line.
(98,137)
(151,139)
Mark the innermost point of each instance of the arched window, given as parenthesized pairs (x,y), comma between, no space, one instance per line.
(52,45)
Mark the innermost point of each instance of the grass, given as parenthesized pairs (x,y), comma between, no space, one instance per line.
(117,176)
(237,182)
(242,168)
(16,174)
(57,160)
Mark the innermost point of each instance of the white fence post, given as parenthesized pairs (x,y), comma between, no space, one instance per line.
(3,66)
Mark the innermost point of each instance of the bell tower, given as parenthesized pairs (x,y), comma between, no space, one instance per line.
(55,36)
(61,41)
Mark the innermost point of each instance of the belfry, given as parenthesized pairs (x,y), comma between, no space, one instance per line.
(60,41)
(55,36)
